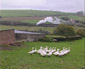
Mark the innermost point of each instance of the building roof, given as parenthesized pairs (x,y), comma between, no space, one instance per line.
(25,32)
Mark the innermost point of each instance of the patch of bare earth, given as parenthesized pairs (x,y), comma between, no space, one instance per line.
(8,47)
(20,18)
(5,48)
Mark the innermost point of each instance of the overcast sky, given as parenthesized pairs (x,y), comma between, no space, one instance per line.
(58,5)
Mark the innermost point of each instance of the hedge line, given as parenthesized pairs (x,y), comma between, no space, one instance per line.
(49,39)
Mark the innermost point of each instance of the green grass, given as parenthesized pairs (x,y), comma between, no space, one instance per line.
(30,21)
(33,21)
(15,13)
(49,29)
(75,17)
(25,13)
(20,59)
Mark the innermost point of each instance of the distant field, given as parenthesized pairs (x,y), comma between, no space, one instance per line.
(25,15)
(49,29)
(75,17)
(30,21)
(15,13)
(20,18)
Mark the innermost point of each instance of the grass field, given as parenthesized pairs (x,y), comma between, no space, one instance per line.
(18,58)
(49,29)
(75,17)
(31,21)
(13,13)
(33,28)
(33,13)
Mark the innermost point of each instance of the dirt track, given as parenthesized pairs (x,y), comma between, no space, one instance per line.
(5,48)
(20,18)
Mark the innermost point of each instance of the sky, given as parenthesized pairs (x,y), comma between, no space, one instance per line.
(55,5)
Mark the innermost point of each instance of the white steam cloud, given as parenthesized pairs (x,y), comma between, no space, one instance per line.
(53,20)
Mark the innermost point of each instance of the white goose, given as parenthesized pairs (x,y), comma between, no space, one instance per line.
(67,50)
(46,49)
(33,51)
(57,52)
(53,49)
(61,53)
(50,49)
(40,50)
(50,53)
(43,53)
(64,51)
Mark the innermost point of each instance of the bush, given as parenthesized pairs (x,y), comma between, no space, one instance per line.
(57,39)
(81,32)
(46,39)
(0,16)
(64,30)
(70,38)
(65,18)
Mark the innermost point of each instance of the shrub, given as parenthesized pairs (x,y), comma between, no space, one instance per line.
(69,38)
(65,18)
(64,30)
(81,32)
(46,39)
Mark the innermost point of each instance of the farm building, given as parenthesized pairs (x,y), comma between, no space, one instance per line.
(28,36)
(7,37)
(10,36)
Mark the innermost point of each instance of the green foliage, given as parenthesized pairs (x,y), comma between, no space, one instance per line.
(64,30)
(46,39)
(53,36)
(65,18)
(63,38)
(81,32)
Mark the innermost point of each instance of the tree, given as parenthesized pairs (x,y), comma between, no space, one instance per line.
(65,30)
(65,18)
(81,32)
(80,12)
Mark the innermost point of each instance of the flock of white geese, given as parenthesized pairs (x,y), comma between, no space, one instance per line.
(49,51)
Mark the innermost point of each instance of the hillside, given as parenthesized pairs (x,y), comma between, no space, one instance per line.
(38,13)
(15,13)
(33,16)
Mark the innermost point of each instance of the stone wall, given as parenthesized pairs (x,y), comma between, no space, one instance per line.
(7,37)
(29,37)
